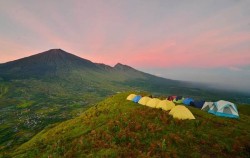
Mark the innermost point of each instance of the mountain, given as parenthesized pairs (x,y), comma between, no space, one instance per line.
(57,62)
(54,86)
(122,67)
(116,127)
(52,62)
(43,64)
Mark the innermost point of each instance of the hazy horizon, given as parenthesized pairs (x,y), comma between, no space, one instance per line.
(192,40)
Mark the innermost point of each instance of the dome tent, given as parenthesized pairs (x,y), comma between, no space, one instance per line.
(181,112)
(136,98)
(131,97)
(153,102)
(165,105)
(184,114)
(171,98)
(197,104)
(144,100)
(178,98)
(178,101)
(207,106)
(176,108)
(224,109)
(187,101)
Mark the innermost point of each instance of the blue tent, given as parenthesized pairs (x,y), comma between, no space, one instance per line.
(197,104)
(136,98)
(187,101)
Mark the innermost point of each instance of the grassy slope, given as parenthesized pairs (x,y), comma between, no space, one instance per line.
(116,127)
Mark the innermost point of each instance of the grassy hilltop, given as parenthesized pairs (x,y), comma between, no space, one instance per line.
(116,127)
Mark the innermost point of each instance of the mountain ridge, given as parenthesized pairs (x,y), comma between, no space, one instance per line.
(50,52)
(51,61)
(59,54)
(45,63)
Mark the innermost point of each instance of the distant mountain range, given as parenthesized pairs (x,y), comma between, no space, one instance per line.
(54,86)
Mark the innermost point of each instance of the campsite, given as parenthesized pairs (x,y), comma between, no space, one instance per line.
(174,104)
(124,79)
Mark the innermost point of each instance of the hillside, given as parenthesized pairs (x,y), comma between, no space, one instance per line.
(54,86)
(116,127)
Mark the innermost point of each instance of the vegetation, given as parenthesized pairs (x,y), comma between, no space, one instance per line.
(116,127)
(29,106)
(52,87)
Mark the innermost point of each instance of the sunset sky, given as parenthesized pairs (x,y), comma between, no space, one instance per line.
(195,40)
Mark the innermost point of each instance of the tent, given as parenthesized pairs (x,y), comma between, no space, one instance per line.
(187,101)
(153,102)
(176,108)
(181,112)
(131,97)
(171,98)
(144,100)
(207,106)
(197,104)
(224,109)
(165,105)
(178,98)
(179,101)
(136,98)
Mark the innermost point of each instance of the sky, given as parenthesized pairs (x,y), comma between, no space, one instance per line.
(206,41)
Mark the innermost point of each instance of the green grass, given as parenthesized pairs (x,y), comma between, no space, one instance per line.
(3,90)
(25,104)
(116,127)
(244,109)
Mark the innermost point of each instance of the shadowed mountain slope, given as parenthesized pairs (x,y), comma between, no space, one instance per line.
(47,63)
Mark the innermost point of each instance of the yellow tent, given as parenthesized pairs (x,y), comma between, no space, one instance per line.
(144,100)
(176,108)
(184,114)
(131,96)
(165,105)
(153,102)
(181,112)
